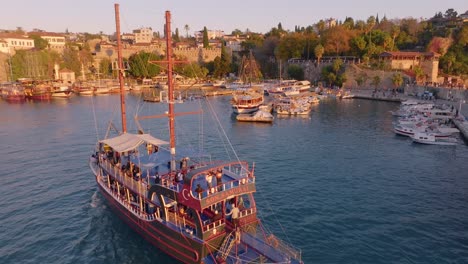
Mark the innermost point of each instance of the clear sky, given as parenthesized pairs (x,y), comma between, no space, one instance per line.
(260,16)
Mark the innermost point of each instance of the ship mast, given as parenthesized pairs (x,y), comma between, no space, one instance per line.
(120,69)
(170,84)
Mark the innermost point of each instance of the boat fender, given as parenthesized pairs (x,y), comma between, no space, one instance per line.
(214,231)
(212,190)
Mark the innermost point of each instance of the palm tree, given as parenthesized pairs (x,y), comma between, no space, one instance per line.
(187,28)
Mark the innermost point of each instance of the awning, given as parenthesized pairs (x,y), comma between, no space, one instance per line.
(127,141)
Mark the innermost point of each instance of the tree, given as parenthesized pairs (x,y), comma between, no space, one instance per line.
(296,72)
(140,66)
(222,65)
(105,67)
(291,46)
(450,13)
(236,32)
(318,51)
(397,79)
(419,74)
(336,40)
(71,59)
(358,45)
(187,28)
(361,79)
(394,32)
(206,42)
(376,81)
(176,35)
(39,42)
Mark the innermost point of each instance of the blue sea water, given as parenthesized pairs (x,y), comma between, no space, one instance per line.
(338,184)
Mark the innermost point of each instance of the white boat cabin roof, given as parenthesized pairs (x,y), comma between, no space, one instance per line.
(127,141)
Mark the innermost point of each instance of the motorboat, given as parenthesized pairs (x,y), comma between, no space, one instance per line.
(431,139)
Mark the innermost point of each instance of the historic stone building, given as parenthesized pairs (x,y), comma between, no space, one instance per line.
(408,60)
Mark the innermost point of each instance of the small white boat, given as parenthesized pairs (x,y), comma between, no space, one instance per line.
(61,92)
(259,116)
(431,139)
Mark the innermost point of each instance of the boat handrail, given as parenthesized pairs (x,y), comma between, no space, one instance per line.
(139,187)
(224,187)
(213,225)
(142,215)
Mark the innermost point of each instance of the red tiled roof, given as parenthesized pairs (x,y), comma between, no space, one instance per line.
(12,35)
(407,54)
(45,34)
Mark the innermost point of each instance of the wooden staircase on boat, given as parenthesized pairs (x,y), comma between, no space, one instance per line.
(226,247)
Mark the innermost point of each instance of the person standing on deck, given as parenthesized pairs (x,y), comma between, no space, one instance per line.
(234,214)
(219,179)
(199,191)
(209,180)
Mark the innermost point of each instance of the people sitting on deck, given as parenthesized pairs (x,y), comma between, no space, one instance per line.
(199,191)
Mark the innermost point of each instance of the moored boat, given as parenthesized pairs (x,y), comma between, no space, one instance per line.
(39,92)
(431,139)
(258,116)
(247,101)
(60,91)
(13,92)
(196,210)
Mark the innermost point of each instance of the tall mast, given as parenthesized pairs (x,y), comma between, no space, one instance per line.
(170,89)
(120,69)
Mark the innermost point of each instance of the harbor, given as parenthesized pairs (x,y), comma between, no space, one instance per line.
(362,184)
(339,141)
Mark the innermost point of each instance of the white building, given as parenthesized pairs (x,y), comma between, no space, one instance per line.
(4,46)
(56,41)
(143,35)
(212,34)
(16,42)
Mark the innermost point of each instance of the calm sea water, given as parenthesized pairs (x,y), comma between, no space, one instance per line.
(337,184)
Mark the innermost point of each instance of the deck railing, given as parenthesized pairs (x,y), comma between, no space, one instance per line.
(128,205)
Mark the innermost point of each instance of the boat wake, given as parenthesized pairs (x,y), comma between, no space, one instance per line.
(95,201)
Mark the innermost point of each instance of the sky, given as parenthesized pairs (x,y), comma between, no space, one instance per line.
(94,16)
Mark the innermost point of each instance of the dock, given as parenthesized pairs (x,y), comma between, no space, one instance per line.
(367,95)
(462,125)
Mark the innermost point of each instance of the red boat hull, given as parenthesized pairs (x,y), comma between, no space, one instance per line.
(172,242)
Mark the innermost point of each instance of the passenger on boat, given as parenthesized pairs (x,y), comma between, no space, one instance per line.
(219,179)
(180,177)
(184,162)
(149,148)
(209,179)
(182,211)
(234,214)
(199,191)
(157,180)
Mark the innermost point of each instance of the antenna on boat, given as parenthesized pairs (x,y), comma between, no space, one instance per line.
(120,69)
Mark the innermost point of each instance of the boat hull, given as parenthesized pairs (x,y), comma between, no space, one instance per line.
(172,242)
(15,98)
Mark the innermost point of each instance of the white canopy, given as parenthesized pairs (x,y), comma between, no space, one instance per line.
(127,141)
